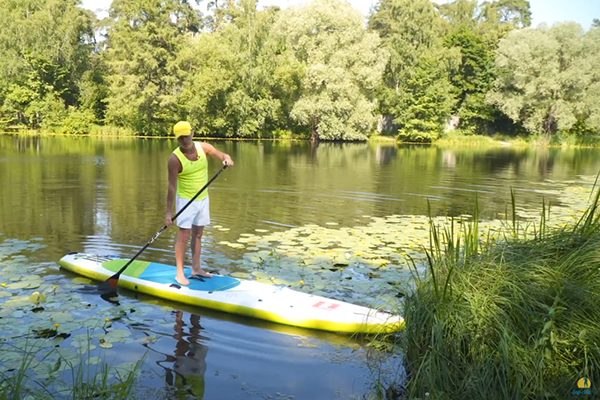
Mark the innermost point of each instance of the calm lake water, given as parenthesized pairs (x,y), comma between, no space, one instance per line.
(108,196)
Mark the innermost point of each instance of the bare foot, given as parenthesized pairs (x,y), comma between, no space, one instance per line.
(201,272)
(182,279)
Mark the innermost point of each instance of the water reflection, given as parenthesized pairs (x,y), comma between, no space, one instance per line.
(385,154)
(185,368)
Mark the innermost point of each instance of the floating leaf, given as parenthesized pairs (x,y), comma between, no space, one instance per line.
(61,317)
(94,360)
(34,285)
(240,275)
(119,335)
(18,285)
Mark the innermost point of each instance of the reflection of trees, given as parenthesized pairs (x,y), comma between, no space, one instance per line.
(47,186)
(385,154)
(71,191)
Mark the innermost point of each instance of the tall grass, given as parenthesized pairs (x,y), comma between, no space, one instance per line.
(81,380)
(515,319)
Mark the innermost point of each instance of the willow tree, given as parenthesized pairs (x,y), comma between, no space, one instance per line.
(546,76)
(342,65)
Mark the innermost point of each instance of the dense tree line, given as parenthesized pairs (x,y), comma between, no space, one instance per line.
(414,69)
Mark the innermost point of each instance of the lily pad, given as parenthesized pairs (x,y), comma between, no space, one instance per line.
(241,275)
(94,360)
(61,317)
(18,285)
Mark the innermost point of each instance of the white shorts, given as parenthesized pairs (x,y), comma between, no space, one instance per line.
(197,213)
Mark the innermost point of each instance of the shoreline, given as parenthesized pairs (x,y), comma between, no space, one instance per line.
(452,141)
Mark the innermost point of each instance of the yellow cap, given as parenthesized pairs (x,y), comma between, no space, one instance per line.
(182,128)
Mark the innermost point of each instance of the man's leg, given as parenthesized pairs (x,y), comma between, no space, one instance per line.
(182,239)
(197,232)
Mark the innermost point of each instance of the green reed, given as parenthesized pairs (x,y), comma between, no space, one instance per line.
(513,319)
(81,381)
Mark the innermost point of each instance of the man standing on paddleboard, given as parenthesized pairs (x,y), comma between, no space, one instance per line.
(188,173)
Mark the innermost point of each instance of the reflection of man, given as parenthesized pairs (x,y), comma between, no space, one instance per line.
(190,355)
(189,362)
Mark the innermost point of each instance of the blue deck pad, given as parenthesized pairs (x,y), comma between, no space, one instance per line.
(163,273)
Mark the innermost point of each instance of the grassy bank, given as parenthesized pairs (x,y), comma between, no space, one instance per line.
(560,140)
(511,318)
(119,132)
(452,139)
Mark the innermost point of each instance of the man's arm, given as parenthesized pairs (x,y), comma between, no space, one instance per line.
(210,150)
(173,167)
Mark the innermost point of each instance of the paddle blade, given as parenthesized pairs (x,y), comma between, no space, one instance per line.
(110,284)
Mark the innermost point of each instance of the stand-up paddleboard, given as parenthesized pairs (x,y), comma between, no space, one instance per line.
(244,297)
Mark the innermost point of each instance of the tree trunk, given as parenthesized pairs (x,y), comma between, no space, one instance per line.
(315,131)
(550,122)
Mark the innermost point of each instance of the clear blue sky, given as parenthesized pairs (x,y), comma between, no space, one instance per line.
(549,11)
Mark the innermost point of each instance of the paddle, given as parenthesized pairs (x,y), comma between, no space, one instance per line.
(112,282)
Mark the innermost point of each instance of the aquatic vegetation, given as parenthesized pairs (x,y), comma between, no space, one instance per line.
(516,319)
(85,378)
(50,335)
(370,263)
(55,344)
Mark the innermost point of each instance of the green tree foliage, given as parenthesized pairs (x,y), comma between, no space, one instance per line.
(514,12)
(498,18)
(44,53)
(144,39)
(312,71)
(590,116)
(472,79)
(237,83)
(475,29)
(416,90)
(342,63)
(209,63)
(547,76)
(460,14)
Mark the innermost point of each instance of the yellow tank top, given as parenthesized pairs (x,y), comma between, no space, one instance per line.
(193,175)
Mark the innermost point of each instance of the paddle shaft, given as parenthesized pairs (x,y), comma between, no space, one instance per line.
(115,277)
